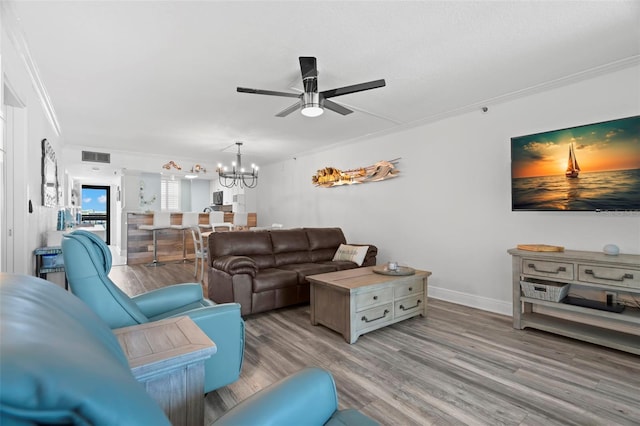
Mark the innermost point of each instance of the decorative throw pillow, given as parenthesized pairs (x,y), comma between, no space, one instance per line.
(354,254)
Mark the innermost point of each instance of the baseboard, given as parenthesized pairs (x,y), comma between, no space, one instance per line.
(472,300)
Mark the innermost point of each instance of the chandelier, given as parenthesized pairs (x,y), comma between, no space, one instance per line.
(237,176)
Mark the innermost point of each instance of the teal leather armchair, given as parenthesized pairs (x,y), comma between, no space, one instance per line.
(87,261)
(307,397)
(61,364)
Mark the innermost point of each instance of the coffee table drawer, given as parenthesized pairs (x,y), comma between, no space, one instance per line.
(374,316)
(408,306)
(409,288)
(372,298)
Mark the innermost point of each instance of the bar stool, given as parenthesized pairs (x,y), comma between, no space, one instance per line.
(216,220)
(200,252)
(189,220)
(161,220)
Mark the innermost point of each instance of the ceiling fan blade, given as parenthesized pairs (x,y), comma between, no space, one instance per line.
(336,107)
(352,89)
(268,92)
(288,110)
(308,67)
(309,73)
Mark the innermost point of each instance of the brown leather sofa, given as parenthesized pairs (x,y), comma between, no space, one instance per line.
(265,270)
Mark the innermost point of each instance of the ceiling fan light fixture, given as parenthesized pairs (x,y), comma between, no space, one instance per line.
(311,106)
(312,110)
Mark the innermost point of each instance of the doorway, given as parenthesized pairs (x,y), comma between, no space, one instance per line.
(96,208)
(15,255)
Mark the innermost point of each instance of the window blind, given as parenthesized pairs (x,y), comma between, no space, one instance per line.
(170,197)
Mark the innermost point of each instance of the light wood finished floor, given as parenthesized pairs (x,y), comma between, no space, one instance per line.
(458,366)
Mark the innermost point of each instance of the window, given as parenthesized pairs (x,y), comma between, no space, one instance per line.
(170,194)
(96,201)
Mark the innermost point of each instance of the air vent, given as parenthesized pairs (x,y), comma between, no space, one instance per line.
(96,157)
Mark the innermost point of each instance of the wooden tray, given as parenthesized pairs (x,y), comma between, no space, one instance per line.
(402,270)
(539,247)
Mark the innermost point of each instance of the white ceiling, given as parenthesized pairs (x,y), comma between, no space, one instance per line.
(161,76)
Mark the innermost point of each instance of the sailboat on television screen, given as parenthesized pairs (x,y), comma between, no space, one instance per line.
(572,166)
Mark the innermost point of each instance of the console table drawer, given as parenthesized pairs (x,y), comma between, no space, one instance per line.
(374,316)
(372,298)
(609,276)
(545,268)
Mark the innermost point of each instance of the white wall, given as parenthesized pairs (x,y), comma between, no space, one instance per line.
(27,127)
(200,195)
(449,211)
(185,195)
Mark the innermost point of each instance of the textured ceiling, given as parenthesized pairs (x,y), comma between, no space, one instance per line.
(161,77)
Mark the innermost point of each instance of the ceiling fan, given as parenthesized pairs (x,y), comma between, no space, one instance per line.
(311,102)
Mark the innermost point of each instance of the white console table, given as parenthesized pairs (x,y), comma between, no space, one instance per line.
(590,274)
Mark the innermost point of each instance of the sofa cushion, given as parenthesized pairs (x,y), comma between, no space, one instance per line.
(290,246)
(323,238)
(305,269)
(354,254)
(253,244)
(287,240)
(282,259)
(272,278)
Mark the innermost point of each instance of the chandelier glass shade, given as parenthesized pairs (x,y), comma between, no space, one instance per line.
(238,176)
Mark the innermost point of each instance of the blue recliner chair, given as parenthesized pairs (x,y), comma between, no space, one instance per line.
(87,262)
(61,364)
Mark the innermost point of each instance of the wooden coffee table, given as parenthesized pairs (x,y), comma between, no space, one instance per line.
(357,301)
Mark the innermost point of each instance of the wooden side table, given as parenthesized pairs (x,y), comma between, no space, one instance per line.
(167,357)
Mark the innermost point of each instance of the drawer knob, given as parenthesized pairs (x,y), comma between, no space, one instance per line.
(411,307)
(594,275)
(557,271)
(375,297)
(384,314)
(410,288)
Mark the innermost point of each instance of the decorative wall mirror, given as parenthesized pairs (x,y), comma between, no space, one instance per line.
(49,176)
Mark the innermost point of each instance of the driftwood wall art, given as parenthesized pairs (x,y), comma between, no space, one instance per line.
(330,176)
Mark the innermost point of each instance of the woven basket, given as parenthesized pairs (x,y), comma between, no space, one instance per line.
(544,290)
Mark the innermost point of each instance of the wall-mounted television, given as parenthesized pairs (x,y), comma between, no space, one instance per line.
(593,167)
(218,198)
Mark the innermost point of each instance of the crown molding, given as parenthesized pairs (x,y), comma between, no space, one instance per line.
(15,34)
